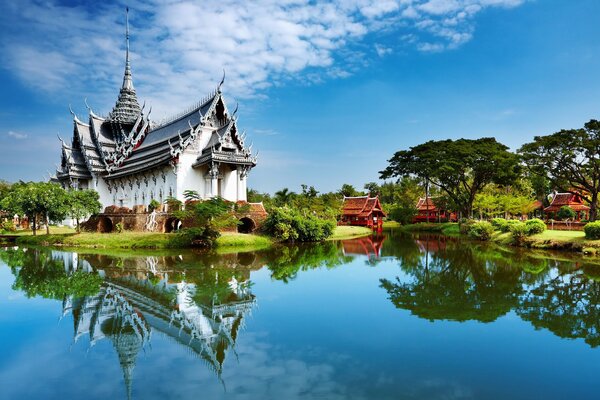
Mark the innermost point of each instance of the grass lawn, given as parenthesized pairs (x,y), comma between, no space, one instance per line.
(561,235)
(349,232)
(391,224)
(137,240)
(54,230)
(233,242)
(446,228)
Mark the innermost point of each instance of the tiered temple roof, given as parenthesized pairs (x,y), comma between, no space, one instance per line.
(126,142)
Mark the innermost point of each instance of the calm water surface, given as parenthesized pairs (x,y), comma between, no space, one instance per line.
(386,317)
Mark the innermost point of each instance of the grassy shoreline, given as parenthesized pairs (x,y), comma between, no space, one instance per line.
(227,242)
(573,241)
(349,232)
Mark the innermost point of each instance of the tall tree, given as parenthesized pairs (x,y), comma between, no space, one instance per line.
(82,203)
(348,190)
(570,160)
(37,199)
(459,168)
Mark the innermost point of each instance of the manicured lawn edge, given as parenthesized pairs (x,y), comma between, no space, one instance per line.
(573,241)
(137,240)
(349,232)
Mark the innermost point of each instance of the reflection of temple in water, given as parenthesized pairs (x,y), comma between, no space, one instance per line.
(128,311)
(367,245)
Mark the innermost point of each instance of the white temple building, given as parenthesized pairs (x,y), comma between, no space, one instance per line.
(130,160)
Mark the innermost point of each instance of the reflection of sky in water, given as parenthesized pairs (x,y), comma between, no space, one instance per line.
(327,334)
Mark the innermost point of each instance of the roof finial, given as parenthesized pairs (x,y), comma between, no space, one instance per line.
(222,81)
(127,80)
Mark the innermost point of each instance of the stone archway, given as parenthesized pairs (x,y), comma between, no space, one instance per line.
(105,225)
(172,225)
(247,225)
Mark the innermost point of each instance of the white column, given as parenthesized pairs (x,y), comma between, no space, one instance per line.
(241,183)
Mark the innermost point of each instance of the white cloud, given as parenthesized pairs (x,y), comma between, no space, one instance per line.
(17,135)
(179,48)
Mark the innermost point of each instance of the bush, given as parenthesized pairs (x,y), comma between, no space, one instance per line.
(592,230)
(464,226)
(119,227)
(519,231)
(481,230)
(8,226)
(289,225)
(402,213)
(509,224)
(566,212)
(535,225)
(153,205)
(500,224)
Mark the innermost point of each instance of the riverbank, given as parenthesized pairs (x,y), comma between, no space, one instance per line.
(573,241)
(136,240)
(228,241)
(349,232)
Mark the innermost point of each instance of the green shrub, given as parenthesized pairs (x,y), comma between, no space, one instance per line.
(153,205)
(402,213)
(566,212)
(8,226)
(481,230)
(119,227)
(592,230)
(509,224)
(500,224)
(519,230)
(535,225)
(464,226)
(289,225)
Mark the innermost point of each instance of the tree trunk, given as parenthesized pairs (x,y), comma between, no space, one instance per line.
(593,206)
(47,225)
(77,229)
(33,225)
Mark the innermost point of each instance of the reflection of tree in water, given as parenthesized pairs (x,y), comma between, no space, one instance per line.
(567,305)
(462,282)
(454,284)
(198,302)
(286,261)
(40,273)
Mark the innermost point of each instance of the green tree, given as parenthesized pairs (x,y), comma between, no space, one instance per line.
(4,189)
(459,168)
(566,212)
(283,197)
(570,160)
(44,200)
(372,188)
(208,218)
(83,203)
(309,191)
(348,190)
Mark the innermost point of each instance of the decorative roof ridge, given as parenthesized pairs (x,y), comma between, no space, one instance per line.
(358,197)
(78,121)
(96,116)
(188,111)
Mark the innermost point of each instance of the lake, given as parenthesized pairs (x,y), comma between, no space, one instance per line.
(392,316)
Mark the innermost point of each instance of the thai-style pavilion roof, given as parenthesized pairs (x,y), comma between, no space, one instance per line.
(571,200)
(361,206)
(127,142)
(426,204)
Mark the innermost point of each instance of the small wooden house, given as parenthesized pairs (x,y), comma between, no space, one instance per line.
(574,201)
(362,211)
(428,211)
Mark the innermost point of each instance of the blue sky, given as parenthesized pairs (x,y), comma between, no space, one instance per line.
(327,90)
